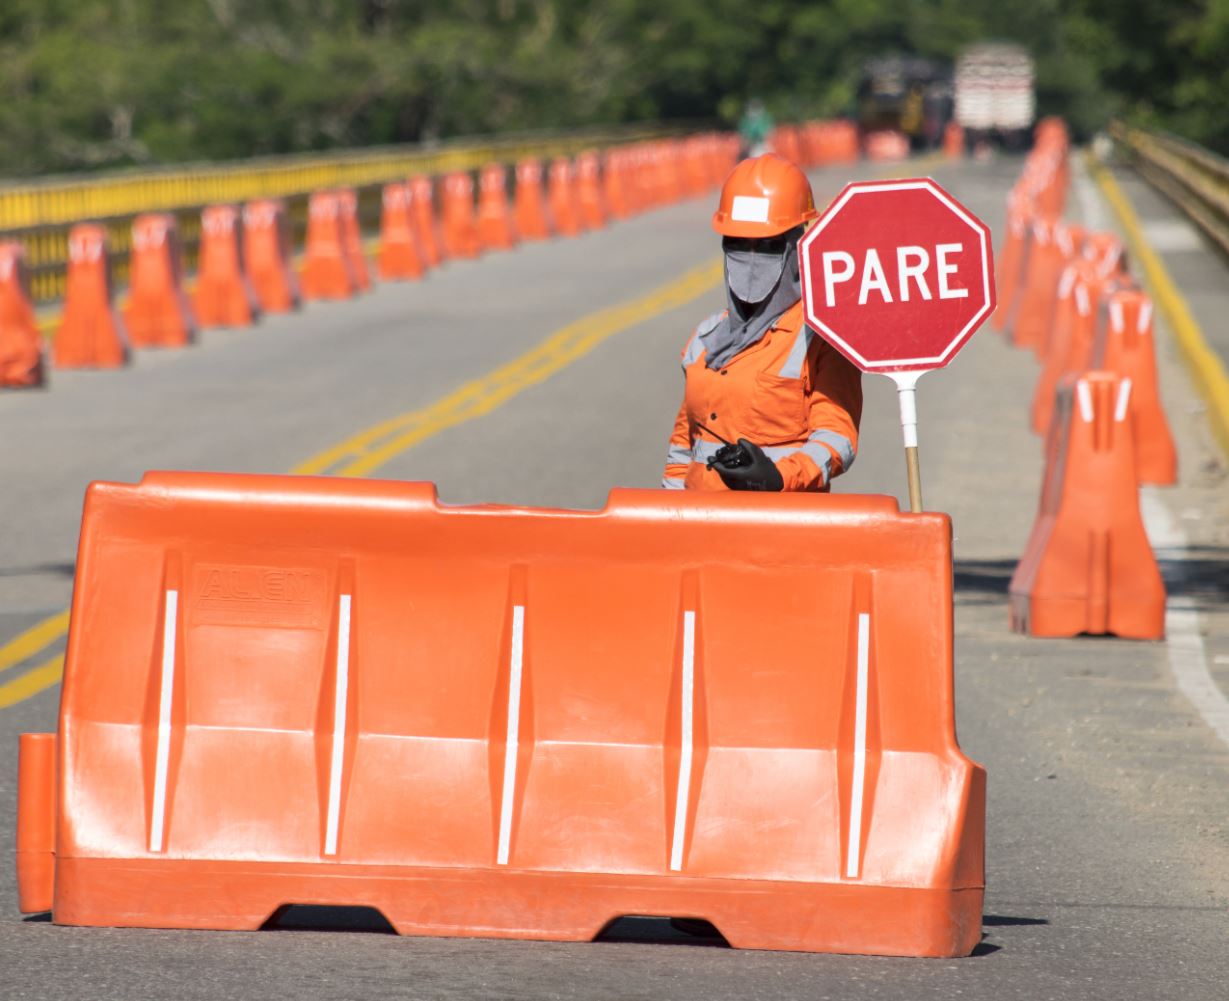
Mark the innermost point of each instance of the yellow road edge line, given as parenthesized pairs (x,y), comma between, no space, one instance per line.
(33,640)
(32,682)
(1206,369)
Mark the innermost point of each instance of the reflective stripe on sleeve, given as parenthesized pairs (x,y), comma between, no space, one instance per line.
(792,369)
(672,483)
(841,445)
(678,455)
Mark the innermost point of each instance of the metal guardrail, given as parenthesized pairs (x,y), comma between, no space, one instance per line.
(40,213)
(1193,177)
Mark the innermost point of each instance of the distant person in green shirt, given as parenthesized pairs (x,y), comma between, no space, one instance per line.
(754,128)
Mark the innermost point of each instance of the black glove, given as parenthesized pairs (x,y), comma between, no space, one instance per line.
(746,467)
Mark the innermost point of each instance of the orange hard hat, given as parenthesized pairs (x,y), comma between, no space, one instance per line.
(764,196)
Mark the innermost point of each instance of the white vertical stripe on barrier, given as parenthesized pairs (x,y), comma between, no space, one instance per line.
(853,857)
(686,741)
(1083,396)
(163,755)
(340,694)
(1144,320)
(1124,398)
(514,725)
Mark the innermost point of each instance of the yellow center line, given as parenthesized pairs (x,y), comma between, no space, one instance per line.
(32,682)
(373,447)
(33,640)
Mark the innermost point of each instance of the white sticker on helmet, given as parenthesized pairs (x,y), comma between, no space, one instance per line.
(748,208)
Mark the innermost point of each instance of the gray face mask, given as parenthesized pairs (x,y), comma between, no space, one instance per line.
(753,274)
(761,283)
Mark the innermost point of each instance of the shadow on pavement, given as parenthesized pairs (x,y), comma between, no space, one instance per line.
(314,917)
(40,570)
(666,931)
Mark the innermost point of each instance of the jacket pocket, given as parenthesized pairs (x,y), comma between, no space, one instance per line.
(778,410)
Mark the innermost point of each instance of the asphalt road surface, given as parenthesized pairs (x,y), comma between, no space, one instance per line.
(1108,815)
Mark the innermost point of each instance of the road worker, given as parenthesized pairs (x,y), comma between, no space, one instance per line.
(767,403)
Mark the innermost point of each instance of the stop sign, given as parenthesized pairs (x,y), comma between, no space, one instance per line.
(897,275)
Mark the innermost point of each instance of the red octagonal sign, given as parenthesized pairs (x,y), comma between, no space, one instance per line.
(897,275)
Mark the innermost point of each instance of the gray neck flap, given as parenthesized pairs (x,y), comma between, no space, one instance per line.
(773,278)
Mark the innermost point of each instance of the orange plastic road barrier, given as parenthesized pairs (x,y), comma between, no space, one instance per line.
(352,238)
(223,297)
(495,230)
(589,191)
(953,141)
(530,203)
(564,208)
(21,347)
(158,313)
(326,267)
(1124,345)
(1011,263)
(460,229)
(1035,310)
(1088,567)
(422,205)
(266,256)
(400,256)
(509,722)
(90,334)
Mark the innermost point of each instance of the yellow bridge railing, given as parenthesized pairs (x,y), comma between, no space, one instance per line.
(40,213)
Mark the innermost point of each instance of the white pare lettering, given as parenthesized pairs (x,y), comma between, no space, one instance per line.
(832,278)
(913,263)
(945,269)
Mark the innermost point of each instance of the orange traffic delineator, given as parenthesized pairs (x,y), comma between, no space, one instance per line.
(953,141)
(529,202)
(1124,345)
(1069,241)
(340,691)
(589,191)
(223,296)
(1088,567)
(564,209)
(400,255)
(1070,339)
(1012,263)
(460,229)
(1035,310)
(90,334)
(21,347)
(422,206)
(614,184)
(495,230)
(158,314)
(266,256)
(326,267)
(352,238)
(886,146)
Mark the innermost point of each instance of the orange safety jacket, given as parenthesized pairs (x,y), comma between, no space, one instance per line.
(790,393)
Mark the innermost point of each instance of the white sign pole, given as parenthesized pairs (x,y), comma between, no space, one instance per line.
(906,394)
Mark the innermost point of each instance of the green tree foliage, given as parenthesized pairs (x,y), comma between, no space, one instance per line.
(98,83)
